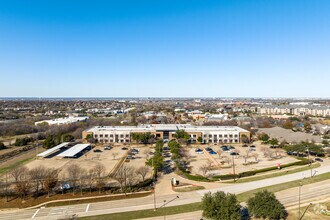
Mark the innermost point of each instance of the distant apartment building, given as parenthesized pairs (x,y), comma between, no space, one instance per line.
(298,110)
(62,121)
(209,134)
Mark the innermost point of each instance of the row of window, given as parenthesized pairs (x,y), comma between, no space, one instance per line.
(220,135)
(221,141)
(113,141)
(111,136)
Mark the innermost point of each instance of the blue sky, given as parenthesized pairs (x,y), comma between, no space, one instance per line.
(165,48)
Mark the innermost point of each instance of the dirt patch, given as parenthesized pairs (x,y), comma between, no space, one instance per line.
(30,201)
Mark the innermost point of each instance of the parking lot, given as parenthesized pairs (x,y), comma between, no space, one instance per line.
(100,154)
(220,165)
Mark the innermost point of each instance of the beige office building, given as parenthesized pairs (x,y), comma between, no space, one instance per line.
(209,134)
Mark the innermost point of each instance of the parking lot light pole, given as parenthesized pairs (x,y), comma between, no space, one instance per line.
(300,185)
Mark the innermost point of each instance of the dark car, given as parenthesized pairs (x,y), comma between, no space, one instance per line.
(318,159)
(252,146)
(208,149)
(231,147)
(97,151)
(124,148)
(245,145)
(234,153)
(212,152)
(224,148)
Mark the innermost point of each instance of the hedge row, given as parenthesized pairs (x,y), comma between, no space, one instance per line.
(302,161)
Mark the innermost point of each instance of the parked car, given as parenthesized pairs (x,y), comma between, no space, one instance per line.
(252,146)
(234,153)
(124,148)
(319,159)
(97,151)
(107,148)
(198,149)
(212,152)
(231,147)
(224,148)
(129,157)
(245,145)
(208,149)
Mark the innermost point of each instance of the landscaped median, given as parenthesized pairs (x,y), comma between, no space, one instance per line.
(302,161)
(197,206)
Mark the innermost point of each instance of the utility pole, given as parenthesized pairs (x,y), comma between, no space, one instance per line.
(7,186)
(300,185)
(234,169)
(155,208)
(164,212)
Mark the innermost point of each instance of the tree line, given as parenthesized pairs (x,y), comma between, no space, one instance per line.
(222,206)
(22,182)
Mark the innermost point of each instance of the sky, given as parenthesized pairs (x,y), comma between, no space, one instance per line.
(165,48)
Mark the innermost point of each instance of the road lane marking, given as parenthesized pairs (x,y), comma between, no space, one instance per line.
(87,208)
(34,215)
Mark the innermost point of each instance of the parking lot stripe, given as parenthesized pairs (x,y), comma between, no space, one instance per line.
(34,215)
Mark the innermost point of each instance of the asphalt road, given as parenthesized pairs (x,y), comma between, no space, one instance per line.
(147,202)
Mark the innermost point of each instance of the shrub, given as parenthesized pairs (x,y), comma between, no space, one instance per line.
(221,206)
(265,205)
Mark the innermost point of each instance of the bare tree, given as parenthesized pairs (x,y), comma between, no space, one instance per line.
(122,175)
(99,171)
(255,155)
(37,175)
(131,176)
(74,172)
(143,171)
(51,179)
(226,159)
(220,153)
(21,180)
(205,168)
(146,152)
(246,155)
(114,155)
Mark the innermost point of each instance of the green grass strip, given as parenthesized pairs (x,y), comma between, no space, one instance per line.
(149,212)
(15,165)
(197,206)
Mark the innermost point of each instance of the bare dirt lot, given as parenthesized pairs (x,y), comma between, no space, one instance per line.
(248,159)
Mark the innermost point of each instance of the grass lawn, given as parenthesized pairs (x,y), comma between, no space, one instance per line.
(279,187)
(149,212)
(189,188)
(275,174)
(17,164)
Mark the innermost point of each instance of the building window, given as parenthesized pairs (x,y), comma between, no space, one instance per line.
(225,135)
(106,135)
(101,135)
(111,135)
